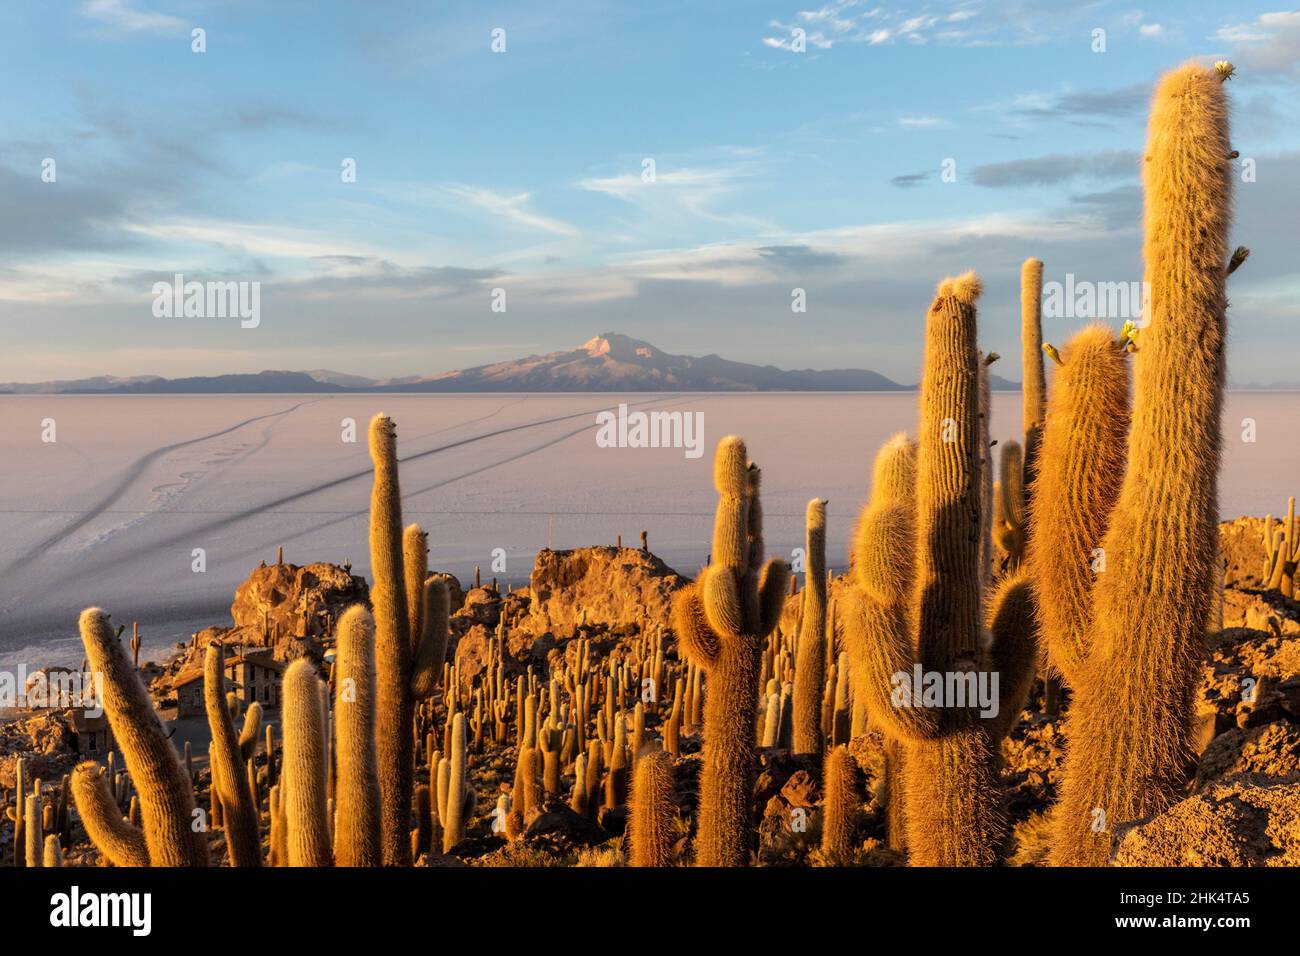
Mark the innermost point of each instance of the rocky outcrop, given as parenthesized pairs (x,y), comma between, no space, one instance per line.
(615,587)
(286,600)
(1237,823)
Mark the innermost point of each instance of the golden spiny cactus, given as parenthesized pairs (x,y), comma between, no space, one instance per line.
(119,842)
(810,658)
(426,671)
(1008,523)
(650,827)
(394,710)
(229,781)
(1081,466)
(166,797)
(415,568)
(721,621)
(356,827)
(453,822)
(302,779)
(839,805)
(53,855)
(1128,729)
(1034,384)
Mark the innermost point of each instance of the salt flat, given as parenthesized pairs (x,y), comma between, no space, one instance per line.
(110,513)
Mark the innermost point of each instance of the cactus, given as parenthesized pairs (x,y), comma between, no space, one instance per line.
(810,658)
(1008,524)
(721,621)
(650,826)
(839,805)
(1281,552)
(302,777)
(394,711)
(119,842)
(1081,466)
(229,781)
(1034,381)
(1128,730)
(453,822)
(166,796)
(33,828)
(53,855)
(356,831)
(248,733)
(415,568)
(432,652)
(918,580)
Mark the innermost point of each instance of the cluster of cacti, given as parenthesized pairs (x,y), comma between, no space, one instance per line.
(1104,521)
(721,621)
(920,604)
(1281,552)
(1131,642)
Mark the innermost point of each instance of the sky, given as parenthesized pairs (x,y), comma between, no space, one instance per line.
(669,170)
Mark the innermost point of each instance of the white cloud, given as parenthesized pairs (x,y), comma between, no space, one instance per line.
(923,122)
(1268,45)
(1149,29)
(517,208)
(120,14)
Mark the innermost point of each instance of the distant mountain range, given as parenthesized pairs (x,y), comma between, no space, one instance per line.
(606,363)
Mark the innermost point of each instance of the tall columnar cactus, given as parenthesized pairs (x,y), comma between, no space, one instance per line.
(918,579)
(1081,466)
(415,568)
(810,659)
(1034,381)
(302,778)
(356,828)
(1128,731)
(650,827)
(1009,512)
(721,622)
(453,820)
(32,828)
(1281,552)
(229,781)
(426,671)
(839,805)
(166,797)
(394,710)
(53,854)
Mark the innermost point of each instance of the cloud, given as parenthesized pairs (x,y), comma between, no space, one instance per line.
(923,122)
(1269,45)
(517,208)
(1149,29)
(1057,168)
(1114,103)
(909,180)
(121,15)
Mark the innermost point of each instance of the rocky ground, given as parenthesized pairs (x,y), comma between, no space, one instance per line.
(1242,803)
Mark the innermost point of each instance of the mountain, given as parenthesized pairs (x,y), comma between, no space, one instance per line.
(606,363)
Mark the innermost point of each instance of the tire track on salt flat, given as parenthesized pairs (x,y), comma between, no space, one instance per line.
(127,479)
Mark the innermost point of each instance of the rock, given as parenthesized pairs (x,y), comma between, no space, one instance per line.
(1237,823)
(44,741)
(560,828)
(289,600)
(615,587)
(1270,751)
(801,790)
(1241,542)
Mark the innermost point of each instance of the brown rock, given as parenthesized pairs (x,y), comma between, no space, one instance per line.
(615,587)
(1237,823)
(296,601)
(801,790)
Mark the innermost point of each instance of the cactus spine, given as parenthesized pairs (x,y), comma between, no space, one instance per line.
(166,797)
(302,778)
(721,621)
(810,659)
(229,780)
(356,829)
(394,713)
(653,811)
(1129,725)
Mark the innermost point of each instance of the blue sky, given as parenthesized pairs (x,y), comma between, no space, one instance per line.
(522,170)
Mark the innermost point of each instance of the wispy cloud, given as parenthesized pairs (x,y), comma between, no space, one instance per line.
(1057,168)
(122,15)
(515,207)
